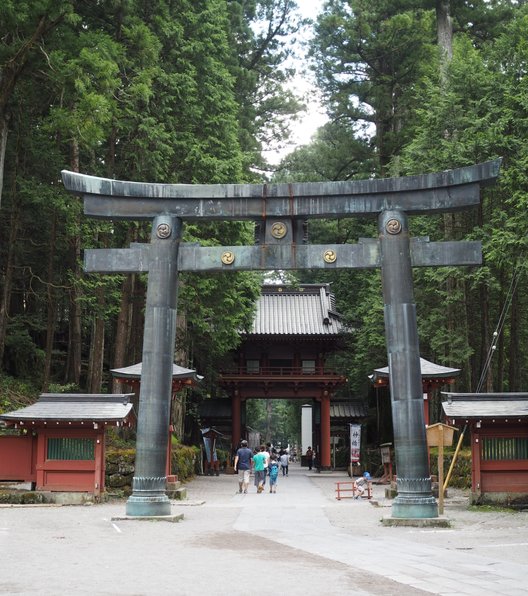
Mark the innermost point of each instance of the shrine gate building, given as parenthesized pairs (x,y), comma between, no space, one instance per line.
(283,356)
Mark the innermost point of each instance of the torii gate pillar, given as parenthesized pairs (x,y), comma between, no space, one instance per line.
(149,497)
(414,498)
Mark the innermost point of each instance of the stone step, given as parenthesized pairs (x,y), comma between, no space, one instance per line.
(176,491)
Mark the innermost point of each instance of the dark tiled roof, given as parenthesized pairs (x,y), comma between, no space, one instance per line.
(215,408)
(304,310)
(485,405)
(134,372)
(348,409)
(428,369)
(74,407)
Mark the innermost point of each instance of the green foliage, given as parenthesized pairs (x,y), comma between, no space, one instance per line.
(21,498)
(476,117)
(461,475)
(262,33)
(117,441)
(119,453)
(277,420)
(188,92)
(491,509)
(165,93)
(219,307)
(184,461)
(119,466)
(368,57)
(338,152)
(16,393)
(224,457)
(22,355)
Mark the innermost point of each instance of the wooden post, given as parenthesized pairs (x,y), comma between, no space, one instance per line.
(441,471)
(324,456)
(236,434)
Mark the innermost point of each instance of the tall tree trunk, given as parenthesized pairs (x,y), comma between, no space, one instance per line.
(75,336)
(75,339)
(97,344)
(178,413)
(444,29)
(51,307)
(444,39)
(123,328)
(514,369)
(125,343)
(95,366)
(9,74)
(500,340)
(8,277)
(484,341)
(269,411)
(4,128)
(137,322)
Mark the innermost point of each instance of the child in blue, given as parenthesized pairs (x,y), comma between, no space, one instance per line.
(273,473)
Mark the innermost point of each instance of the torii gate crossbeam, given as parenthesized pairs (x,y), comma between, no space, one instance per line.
(279,208)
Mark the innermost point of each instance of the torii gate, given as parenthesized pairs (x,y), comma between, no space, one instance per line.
(281,210)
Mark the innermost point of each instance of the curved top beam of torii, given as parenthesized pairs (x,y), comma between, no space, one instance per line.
(441,191)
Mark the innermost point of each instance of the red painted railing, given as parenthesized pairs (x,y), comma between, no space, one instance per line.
(280,371)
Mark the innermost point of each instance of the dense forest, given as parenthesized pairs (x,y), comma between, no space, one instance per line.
(194,92)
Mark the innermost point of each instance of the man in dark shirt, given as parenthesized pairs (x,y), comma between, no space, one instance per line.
(243,466)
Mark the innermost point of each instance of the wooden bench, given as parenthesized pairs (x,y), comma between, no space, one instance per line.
(347,490)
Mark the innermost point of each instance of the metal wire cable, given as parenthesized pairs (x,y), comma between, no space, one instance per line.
(500,325)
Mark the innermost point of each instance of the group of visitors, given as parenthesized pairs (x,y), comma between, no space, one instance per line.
(265,462)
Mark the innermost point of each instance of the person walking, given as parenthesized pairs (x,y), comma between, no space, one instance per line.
(267,453)
(284,462)
(309,457)
(259,460)
(273,468)
(243,466)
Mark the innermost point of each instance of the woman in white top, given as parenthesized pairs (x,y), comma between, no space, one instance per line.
(284,462)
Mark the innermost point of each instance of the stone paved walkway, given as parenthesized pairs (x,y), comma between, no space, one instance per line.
(299,541)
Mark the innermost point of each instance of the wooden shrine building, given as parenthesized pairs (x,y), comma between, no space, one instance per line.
(182,378)
(433,377)
(283,356)
(498,423)
(60,445)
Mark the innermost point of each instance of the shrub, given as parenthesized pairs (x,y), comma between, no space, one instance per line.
(461,476)
(184,460)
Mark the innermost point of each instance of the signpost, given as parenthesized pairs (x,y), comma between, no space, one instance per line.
(440,435)
(386,460)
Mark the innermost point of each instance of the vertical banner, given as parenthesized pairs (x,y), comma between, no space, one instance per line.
(355,442)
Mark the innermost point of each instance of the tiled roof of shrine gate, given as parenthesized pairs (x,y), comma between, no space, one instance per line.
(74,407)
(485,405)
(307,309)
(348,409)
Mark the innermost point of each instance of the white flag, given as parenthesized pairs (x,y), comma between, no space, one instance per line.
(355,442)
